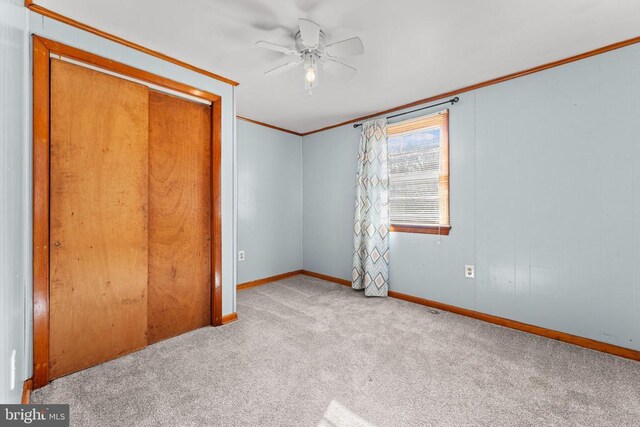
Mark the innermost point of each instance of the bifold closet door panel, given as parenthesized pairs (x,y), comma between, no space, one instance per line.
(98,217)
(179,216)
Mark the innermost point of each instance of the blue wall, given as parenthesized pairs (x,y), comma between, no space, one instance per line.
(545,196)
(74,37)
(329,170)
(16,25)
(269,201)
(15,223)
(545,201)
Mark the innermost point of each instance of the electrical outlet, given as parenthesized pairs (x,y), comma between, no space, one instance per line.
(469,271)
(12,381)
(241,256)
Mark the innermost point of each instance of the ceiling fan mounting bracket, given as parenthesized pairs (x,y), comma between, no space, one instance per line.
(319,49)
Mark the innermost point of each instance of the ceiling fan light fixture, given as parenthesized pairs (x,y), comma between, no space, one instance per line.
(310,68)
(311,49)
(310,75)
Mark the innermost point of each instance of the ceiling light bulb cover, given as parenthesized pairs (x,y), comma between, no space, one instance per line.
(311,75)
(310,66)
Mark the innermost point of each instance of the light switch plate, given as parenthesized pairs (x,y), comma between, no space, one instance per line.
(469,271)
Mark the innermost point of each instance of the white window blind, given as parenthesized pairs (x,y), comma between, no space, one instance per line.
(419,171)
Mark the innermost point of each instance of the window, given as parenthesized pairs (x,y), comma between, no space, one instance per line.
(419,175)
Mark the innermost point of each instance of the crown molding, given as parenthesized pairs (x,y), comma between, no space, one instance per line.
(54,15)
(72,22)
(486,83)
(268,125)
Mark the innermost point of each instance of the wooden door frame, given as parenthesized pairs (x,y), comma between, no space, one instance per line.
(42,50)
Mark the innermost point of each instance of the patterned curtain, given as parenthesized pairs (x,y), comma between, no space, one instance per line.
(371,221)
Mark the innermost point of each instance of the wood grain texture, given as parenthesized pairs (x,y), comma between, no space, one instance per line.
(229,318)
(216,212)
(120,68)
(327,278)
(98,224)
(246,119)
(179,216)
(72,22)
(420,229)
(513,324)
(58,17)
(444,180)
(27,387)
(42,48)
(266,280)
(40,213)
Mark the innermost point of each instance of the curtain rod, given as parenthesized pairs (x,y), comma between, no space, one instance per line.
(452,101)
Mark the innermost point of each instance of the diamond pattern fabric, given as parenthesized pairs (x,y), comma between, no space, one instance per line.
(371,220)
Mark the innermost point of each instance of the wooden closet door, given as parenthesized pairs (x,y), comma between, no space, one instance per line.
(98,230)
(179,216)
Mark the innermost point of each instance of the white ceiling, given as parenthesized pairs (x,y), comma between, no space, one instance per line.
(414,48)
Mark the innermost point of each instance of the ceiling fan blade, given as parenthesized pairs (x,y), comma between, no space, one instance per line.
(282,68)
(276,47)
(344,71)
(348,47)
(309,33)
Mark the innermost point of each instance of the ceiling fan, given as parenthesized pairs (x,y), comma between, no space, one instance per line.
(311,51)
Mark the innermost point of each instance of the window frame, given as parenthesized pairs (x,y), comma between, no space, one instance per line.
(444,196)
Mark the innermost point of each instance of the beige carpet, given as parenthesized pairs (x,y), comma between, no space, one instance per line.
(307,353)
